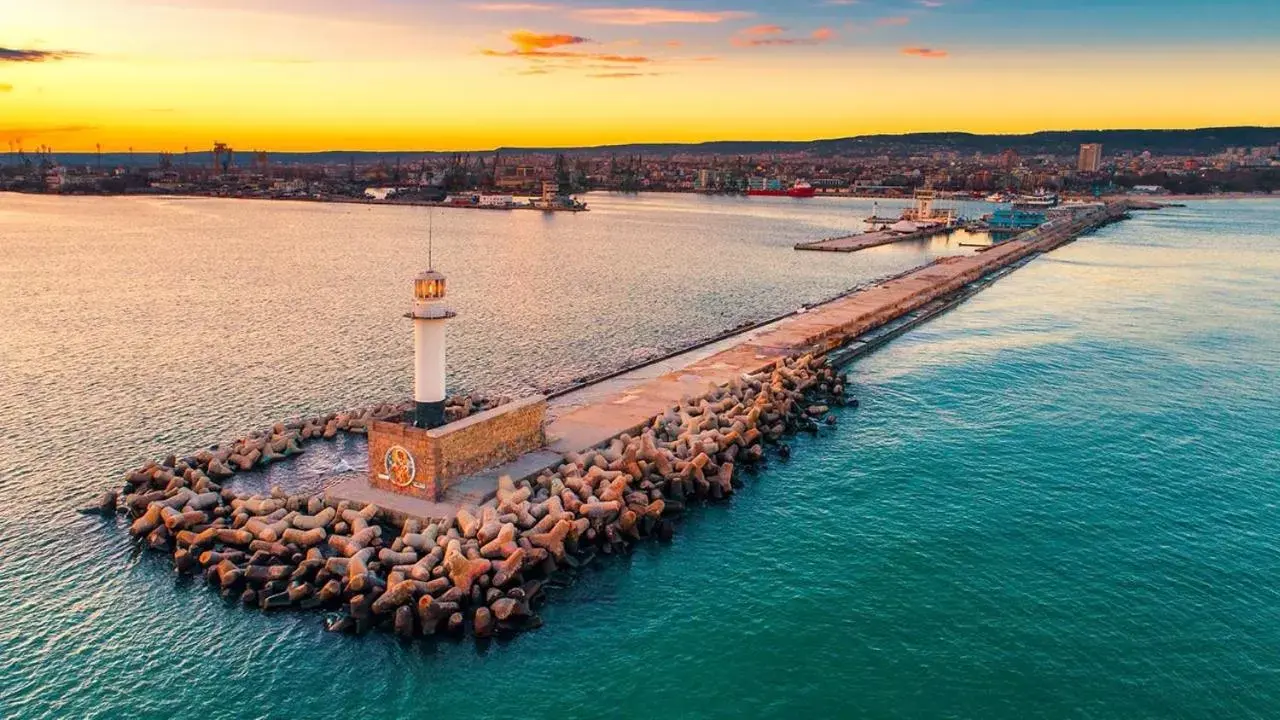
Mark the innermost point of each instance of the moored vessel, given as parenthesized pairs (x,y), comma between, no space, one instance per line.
(1041,199)
(800,189)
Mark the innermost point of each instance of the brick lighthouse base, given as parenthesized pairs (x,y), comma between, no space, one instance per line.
(423,463)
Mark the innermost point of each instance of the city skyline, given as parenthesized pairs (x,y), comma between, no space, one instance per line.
(411,75)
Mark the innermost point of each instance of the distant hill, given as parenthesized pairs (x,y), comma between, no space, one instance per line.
(1201,141)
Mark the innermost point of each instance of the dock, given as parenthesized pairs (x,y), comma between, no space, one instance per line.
(876,238)
(592,415)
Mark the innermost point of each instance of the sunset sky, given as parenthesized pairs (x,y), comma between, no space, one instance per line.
(452,74)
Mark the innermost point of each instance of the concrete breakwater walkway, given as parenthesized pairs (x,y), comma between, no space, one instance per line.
(863,241)
(593,415)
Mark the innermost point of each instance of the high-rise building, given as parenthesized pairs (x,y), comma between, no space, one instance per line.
(1090,157)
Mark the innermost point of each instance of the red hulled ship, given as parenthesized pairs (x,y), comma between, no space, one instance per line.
(801,189)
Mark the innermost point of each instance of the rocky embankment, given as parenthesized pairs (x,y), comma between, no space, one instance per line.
(483,570)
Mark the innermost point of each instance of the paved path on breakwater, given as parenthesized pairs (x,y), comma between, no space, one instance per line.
(598,412)
(593,415)
(862,241)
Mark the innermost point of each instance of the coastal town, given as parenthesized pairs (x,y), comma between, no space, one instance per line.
(548,180)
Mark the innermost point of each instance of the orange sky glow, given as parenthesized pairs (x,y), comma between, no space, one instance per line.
(301,75)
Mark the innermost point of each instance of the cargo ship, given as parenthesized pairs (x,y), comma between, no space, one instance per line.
(773,188)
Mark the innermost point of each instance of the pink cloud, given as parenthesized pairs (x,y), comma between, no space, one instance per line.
(770,35)
(924,52)
(537,47)
(512,7)
(525,40)
(657,16)
(621,75)
(893,21)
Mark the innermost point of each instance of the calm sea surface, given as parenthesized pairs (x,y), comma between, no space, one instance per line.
(1061,499)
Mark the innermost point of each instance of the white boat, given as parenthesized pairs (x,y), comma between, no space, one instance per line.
(1041,199)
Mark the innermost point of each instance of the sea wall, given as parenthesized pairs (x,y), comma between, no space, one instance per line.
(488,438)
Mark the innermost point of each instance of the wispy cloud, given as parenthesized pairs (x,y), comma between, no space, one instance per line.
(17,134)
(769,35)
(840,3)
(15,55)
(569,55)
(893,21)
(513,7)
(657,16)
(621,75)
(537,47)
(930,3)
(924,52)
(762,30)
(526,40)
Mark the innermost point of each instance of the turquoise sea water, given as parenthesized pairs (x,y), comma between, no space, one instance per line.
(1058,500)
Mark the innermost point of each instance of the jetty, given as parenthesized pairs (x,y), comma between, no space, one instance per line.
(919,222)
(875,238)
(592,415)
(469,509)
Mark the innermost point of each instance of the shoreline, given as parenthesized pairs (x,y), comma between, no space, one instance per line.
(424,203)
(1206,196)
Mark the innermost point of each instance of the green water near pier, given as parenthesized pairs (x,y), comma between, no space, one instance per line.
(1057,500)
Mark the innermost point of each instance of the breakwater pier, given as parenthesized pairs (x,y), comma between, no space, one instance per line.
(623,458)
(875,238)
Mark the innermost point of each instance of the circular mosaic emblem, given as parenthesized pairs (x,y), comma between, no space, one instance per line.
(399,466)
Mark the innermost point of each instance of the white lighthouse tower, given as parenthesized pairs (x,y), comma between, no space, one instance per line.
(429,317)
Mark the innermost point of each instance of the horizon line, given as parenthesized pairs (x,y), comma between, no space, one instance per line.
(689,144)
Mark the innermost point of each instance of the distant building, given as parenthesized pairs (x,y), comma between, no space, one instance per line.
(519,178)
(1090,158)
(757,183)
(706,180)
(550,191)
(829,183)
(1009,159)
(496,201)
